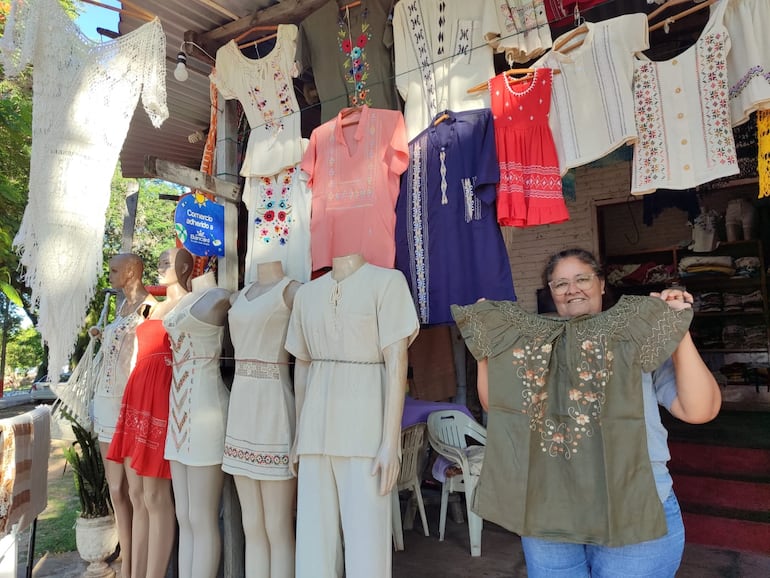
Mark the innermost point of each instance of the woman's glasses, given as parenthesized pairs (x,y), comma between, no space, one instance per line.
(582,282)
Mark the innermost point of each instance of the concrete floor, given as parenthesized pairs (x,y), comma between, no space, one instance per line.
(426,557)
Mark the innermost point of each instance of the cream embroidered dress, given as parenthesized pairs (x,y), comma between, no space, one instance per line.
(198,398)
(566,455)
(278,202)
(83,96)
(261,419)
(118,352)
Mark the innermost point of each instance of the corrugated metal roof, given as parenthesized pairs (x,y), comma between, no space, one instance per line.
(188,102)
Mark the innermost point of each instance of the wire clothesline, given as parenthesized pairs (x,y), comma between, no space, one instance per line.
(390,80)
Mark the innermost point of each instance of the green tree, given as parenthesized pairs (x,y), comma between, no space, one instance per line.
(24,350)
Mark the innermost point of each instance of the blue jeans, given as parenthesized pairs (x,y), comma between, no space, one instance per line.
(659,558)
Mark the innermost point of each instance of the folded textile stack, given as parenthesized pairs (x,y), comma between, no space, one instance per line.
(707,336)
(741,337)
(747,267)
(707,302)
(639,274)
(707,265)
(749,302)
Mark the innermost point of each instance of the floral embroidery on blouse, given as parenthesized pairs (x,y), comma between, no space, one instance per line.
(712,67)
(273,217)
(356,64)
(653,163)
(273,120)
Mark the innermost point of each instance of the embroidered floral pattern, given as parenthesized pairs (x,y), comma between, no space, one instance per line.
(273,220)
(712,68)
(651,163)
(356,64)
(273,120)
(259,458)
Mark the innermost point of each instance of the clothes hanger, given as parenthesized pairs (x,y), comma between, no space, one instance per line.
(665,6)
(581,28)
(258,41)
(138,14)
(350,5)
(253,29)
(681,15)
(528,72)
(441,118)
(349,116)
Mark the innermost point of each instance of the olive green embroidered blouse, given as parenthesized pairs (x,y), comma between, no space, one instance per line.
(566,456)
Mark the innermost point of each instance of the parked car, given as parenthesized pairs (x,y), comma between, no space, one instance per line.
(41,388)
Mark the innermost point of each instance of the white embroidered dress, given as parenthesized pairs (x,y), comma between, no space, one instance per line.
(440,53)
(83,97)
(592,105)
(277,201)
(748,62)
(265,89)
(682,115)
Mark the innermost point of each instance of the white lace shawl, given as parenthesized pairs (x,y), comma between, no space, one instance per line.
(84,95)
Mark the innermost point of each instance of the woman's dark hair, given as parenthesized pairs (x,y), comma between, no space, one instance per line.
(585,256)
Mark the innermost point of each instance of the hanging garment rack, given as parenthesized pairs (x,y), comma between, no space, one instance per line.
(682,14)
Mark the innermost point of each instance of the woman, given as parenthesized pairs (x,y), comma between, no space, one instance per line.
(578,464)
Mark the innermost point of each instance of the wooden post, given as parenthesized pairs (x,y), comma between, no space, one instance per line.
(129,216)
(227,273)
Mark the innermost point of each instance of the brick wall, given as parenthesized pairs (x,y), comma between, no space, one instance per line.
(605,189)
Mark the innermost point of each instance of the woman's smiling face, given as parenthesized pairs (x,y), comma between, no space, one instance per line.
(576,288)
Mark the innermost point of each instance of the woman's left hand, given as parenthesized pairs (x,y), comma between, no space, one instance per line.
(677,299)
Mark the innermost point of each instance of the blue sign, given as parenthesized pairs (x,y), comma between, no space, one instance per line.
(200,224)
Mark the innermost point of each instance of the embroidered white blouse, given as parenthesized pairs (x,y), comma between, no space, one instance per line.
(522,30)
(682,116)
(440,53)
(265,89)
(592,106)
(748,62)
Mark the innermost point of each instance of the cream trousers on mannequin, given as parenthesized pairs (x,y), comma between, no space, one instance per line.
(333,488)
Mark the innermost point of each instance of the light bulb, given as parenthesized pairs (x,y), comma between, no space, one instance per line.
(180,72)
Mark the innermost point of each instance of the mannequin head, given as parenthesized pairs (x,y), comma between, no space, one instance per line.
(174,266)
(125,269)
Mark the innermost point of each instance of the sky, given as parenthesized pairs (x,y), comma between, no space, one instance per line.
(94,16)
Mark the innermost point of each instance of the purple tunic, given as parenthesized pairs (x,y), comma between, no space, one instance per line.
(448,243)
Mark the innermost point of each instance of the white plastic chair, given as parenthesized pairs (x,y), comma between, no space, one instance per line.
(447,431)
(414,447)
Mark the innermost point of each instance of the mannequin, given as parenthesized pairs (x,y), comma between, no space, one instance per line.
(119,355)
(140,434)
(261,421)
(349,331)
(197,416)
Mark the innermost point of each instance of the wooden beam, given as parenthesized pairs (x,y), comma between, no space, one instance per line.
(217,8)
(181,175)
(286,12)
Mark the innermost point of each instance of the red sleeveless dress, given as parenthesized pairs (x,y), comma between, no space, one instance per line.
(140,433)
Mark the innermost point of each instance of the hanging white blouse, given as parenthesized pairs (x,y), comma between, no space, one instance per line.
(682,115)
(265,89)
(84,94)
(521,30)
(748,62)
(440,53)
(592,106)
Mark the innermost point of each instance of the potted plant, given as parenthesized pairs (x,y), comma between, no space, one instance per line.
(96,534)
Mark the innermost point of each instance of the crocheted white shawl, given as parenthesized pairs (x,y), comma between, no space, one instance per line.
(84,95)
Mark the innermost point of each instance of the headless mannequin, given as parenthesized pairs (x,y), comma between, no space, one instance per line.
(386,462)
(198,489)
(153,526)
(125,275)
(267,505)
